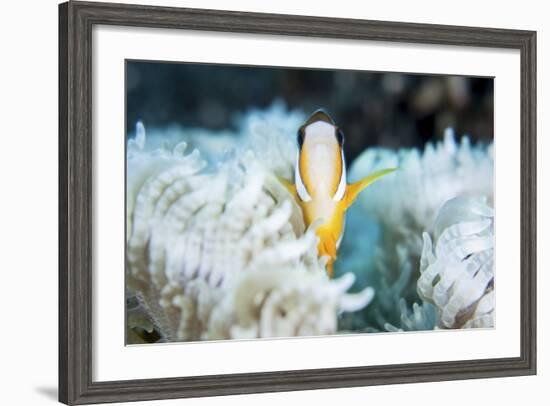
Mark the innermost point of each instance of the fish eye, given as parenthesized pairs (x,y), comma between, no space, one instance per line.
(340,136)
(300,137)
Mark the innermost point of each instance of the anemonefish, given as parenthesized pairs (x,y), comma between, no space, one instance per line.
(320,186)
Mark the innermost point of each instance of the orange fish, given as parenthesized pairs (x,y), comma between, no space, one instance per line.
(320,186)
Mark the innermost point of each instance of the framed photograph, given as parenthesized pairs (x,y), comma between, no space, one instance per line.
(259,202)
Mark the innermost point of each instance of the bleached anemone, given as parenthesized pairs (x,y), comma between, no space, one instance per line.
(408,200)
(284,302)
(217,248)
(271,135)
(224,254)
(394,214)
(457,275)
(421,317)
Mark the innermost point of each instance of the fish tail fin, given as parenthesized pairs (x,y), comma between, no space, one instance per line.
(353,190)
(327,247)
(330,269)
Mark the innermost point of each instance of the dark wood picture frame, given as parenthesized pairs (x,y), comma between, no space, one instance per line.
(76,20)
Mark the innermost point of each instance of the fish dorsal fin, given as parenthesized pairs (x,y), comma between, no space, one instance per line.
(319,115)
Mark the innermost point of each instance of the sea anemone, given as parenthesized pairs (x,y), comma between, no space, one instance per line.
(458,276)
(217,247)
(394,214)
(223,254)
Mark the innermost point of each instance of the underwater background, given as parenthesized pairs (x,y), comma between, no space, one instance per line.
(216,249)
(392,110)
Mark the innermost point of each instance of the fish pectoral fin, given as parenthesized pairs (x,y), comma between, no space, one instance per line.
(353,189)
(288,186)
